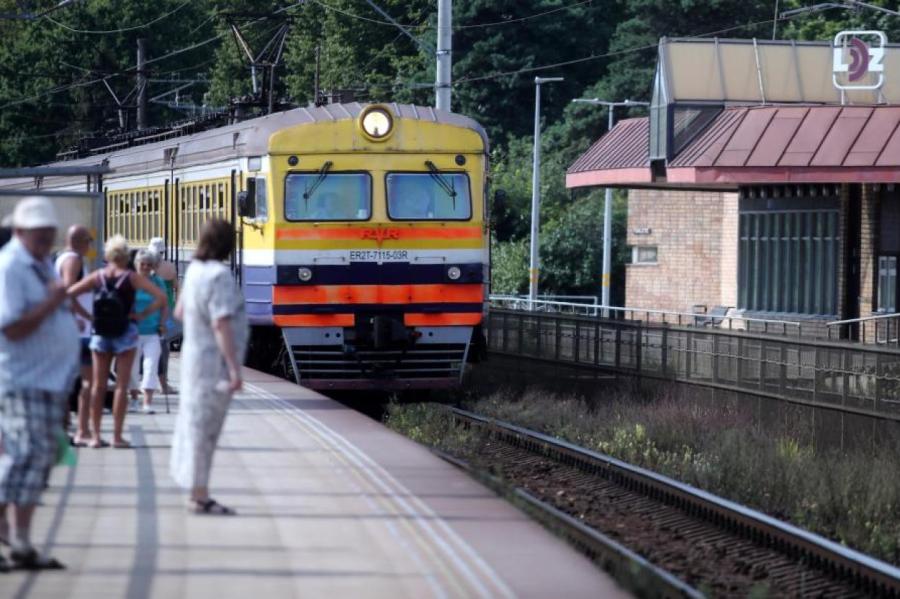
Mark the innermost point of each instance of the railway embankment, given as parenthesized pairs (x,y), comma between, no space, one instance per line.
(772,465)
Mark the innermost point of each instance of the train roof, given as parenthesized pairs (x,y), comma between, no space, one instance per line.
(246,138)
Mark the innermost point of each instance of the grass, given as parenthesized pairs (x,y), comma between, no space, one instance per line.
(852,497)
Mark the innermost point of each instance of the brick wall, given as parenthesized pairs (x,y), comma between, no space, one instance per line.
(868,244)
(696,237)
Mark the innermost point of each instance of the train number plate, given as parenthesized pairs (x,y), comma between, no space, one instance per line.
(379,255)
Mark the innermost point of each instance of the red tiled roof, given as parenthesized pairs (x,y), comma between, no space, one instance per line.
(797,136)
(761,144)
(622,152)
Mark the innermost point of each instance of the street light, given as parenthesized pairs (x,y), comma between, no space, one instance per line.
(607,203)
(536,191)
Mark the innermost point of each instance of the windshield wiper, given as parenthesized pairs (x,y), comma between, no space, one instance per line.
(323,172)
(448,186)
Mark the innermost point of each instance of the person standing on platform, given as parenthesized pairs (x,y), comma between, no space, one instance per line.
(72,266)
(115,332)
(151,330)
(215,339)
(38,364)
(169,274)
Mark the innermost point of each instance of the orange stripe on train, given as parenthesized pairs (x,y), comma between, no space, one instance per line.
(441,320)
(381,233)
(378,294)
(314,320)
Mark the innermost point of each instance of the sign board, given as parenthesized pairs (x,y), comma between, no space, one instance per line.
(858,60)
(71,208)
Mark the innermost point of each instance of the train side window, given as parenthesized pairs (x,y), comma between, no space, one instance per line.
(262,202)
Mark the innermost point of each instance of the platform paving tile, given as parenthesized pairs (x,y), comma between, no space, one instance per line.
(330,504)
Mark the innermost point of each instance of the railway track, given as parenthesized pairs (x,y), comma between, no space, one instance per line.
(713,545)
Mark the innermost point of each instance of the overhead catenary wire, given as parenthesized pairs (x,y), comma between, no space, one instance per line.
(523,70)
(121,29)
(352,15)
(77,84)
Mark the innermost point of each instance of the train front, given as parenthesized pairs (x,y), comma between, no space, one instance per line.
(380,246)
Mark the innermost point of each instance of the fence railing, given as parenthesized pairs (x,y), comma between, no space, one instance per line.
(731,322)
(850,378)
(881,329)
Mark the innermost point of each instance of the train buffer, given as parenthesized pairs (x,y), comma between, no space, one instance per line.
(330,504)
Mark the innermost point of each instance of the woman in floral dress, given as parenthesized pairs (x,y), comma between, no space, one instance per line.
(215,339)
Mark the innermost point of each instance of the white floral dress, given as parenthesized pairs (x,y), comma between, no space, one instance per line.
(208,294)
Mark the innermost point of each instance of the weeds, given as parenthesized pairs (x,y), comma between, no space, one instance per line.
(852,497)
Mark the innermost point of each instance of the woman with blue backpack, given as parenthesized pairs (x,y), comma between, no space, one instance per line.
(115,331)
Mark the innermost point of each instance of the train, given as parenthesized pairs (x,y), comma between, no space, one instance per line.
(361,232)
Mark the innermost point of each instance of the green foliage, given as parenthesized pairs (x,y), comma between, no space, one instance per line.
(52,91)
(509,267)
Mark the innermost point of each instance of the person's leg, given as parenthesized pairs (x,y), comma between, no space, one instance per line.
(83,431)
(150,379)
(21,537)
(205,448)
(134,386)
(124,362)
(102,361)
(163,368)
(4,525)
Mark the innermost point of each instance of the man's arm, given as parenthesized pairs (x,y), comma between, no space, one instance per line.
(32,319)
(71,270)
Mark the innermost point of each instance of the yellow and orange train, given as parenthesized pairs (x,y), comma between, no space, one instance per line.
(362,233)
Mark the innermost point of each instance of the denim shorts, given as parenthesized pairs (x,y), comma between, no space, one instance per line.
(116,345)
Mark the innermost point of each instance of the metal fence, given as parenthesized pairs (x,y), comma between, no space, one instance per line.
(849,378)
(728,320)
(881,329)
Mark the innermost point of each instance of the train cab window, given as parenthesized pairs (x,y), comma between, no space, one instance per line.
(262,205)
(429,196)
(327,196)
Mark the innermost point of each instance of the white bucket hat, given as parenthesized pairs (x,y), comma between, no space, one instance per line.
(158,245)
(34,213)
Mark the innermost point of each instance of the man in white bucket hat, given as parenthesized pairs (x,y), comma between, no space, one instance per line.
(38,363)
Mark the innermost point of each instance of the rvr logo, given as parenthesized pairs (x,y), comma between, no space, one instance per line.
(379,235)
(863,59)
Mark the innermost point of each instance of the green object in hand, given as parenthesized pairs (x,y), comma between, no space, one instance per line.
(65,454)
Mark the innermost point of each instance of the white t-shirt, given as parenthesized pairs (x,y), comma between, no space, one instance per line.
(85,300)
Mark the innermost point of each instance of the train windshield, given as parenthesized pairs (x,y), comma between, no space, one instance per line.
(327,196)
(429,196)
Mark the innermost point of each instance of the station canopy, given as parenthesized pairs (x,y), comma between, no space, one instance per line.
(726,113)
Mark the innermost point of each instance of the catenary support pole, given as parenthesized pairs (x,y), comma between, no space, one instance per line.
(607,233)
(606,276)
(534,263)
(442,85)
(141,84)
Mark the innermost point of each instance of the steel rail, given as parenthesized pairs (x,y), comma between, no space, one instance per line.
(627,567)
(870,575)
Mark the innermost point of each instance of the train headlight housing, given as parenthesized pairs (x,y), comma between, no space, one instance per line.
(376,122)
(304,274)
(454,273)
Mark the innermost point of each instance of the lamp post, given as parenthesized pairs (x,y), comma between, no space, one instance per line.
(534,267)
(607,203)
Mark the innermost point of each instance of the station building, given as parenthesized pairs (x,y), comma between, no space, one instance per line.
(766,178)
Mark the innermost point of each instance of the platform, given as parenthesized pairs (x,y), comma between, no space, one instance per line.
(330,504)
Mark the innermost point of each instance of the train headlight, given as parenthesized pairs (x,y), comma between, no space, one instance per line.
(377,122)
(454,273)
(304,274)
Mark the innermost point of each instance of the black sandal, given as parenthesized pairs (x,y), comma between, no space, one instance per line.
(211,507)
(32,560)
